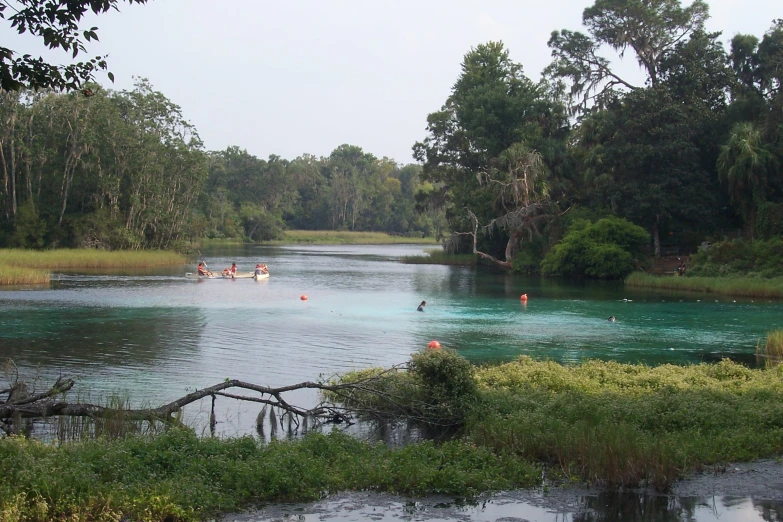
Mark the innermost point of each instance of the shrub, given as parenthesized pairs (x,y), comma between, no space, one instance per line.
(739,257)
(605,249)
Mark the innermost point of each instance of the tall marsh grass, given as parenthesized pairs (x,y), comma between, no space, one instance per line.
(770,352)
(89,258)
(734,286)
(14,275)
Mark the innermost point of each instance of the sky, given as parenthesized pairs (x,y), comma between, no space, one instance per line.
(305,76)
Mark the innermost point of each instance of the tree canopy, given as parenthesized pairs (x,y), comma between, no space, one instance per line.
(56,24)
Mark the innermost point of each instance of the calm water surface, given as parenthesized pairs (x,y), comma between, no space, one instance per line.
(154,334)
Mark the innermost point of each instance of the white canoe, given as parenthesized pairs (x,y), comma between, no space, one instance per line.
(219,275)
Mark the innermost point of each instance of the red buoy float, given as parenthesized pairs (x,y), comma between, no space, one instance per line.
(523,298)
(303,297)
(434,345)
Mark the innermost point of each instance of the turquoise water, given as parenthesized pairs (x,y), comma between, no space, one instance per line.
(154,335)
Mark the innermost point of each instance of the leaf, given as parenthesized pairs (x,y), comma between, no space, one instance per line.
(111,76)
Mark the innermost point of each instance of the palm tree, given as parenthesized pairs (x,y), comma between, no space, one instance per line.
(744,164)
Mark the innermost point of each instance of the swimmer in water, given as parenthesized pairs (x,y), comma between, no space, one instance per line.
(612,319)
(421,306)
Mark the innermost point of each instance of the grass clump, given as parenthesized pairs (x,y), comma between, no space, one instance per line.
(347,237)
(14,275)
(771,351)
(179,476)
(75,258)
(439,257)
(736,286)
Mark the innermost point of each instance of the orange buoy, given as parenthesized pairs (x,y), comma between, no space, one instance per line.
(523,297)
(433,345)
(303,297)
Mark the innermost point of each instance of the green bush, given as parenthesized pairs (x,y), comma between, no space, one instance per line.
(605,249)
(739,257)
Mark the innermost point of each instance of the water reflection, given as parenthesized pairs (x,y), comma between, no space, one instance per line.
(559,506)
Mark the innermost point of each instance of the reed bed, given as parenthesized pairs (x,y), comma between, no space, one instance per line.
(14,275)
(770,352)
(734,286)
(439,257)
(327,237)
(89,258)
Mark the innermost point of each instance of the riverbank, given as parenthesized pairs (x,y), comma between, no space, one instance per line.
(734,286)
(523,424)
(328,237)
(24,267)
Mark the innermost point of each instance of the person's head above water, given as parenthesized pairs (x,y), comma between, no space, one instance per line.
(423,303)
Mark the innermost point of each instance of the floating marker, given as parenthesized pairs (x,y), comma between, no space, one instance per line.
(433,345)
(303,297)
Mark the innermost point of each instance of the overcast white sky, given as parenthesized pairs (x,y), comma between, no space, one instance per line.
(305,76)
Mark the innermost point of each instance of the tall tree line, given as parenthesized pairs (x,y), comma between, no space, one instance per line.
(108,169)
(694,149)
(256,199)
(124,169)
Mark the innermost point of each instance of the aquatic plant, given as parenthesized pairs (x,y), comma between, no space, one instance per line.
(179,476)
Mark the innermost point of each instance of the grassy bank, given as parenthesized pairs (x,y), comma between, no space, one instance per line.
(439,257)
(177,476)
(89,258)
(12,275)
(735,286)
(344,237)
(602,422)
(605,423)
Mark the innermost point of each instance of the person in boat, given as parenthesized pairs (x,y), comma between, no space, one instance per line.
(612,319)
(233,270)
(203,270)
(226,272)
(261,269)
(421,306)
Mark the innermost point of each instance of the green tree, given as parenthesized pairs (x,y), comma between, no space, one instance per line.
(650,28)
(56,23)
(489,150)
(745,165)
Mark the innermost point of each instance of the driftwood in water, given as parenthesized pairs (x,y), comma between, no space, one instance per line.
(16,404)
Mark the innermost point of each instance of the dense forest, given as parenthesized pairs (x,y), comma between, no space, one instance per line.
(693,153)
(508,167)
(126,170)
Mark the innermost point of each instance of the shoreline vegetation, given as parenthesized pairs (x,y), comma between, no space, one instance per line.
(522,424)
(737,286)
(327,237)
(26,267)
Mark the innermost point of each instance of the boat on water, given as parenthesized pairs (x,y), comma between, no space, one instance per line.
(238,275)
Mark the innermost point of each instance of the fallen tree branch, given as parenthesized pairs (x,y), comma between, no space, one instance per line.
(46,404)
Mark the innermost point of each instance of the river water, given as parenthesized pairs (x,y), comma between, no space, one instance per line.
(153,335)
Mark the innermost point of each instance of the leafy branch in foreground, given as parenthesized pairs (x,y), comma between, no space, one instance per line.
(56,23)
